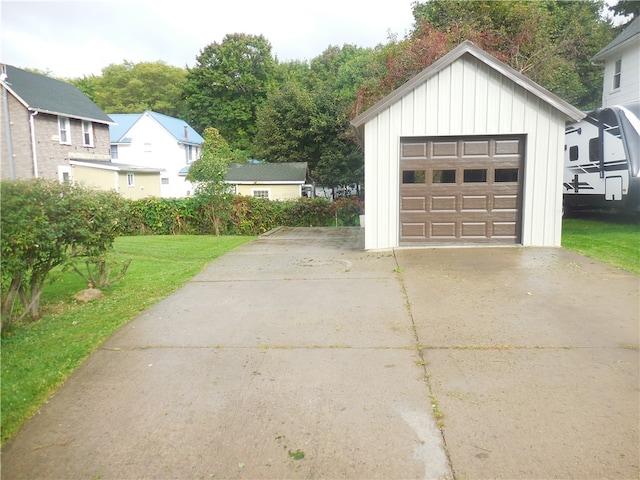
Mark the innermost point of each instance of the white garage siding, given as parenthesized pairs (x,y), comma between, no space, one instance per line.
(463,98)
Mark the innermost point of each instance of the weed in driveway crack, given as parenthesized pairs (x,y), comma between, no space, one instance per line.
(421,348)
(296,454)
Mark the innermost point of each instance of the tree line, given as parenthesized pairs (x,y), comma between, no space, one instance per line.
(300,110)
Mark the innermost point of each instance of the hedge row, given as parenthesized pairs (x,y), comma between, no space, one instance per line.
(235,215)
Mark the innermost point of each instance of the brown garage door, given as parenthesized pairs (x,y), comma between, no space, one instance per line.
(461,190)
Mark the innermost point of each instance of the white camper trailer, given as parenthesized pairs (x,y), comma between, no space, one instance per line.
(602,160)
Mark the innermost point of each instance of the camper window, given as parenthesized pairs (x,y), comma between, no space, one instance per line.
(573,153)
(594,150)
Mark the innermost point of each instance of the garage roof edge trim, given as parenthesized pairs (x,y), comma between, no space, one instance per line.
(469,47)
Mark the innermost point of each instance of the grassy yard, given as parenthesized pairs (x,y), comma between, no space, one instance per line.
(38,357)
(610,239)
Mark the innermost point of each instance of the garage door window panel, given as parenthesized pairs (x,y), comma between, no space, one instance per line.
(443,176)
(506,175)
(475,175)
(414,176)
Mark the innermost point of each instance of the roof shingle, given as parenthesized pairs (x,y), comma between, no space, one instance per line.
(48,95)
(267,172)
(174,126)
(629,32)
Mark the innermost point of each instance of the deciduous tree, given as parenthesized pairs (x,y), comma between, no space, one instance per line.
(624,8)
(550,41)
(208,173)
(226,86)
(307,119)
(136,87)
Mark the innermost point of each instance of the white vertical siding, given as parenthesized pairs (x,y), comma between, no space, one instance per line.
(467,98)
(469,85)
(480,99)
(430,106)
(372,176)
(420,116)
(494,84)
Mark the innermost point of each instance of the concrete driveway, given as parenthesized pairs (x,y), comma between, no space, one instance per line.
(301,356)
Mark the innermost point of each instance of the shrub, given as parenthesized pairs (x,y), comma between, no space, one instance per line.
(45,224)
(348,211)
(228,214)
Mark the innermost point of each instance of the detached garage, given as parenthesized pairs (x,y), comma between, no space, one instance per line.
(468,151)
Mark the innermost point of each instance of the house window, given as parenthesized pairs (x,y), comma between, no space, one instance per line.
(114,152)
(164,181)
(190,153)
(64,133)
(87,134)
(64,174)
(131,181)
(260,193)
(616,74)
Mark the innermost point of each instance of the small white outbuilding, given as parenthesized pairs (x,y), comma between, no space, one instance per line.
(469,151)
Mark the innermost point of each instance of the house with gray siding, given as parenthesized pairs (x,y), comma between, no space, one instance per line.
(44,124)
(467,152)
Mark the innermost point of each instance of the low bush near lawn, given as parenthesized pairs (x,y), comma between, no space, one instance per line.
(236,215)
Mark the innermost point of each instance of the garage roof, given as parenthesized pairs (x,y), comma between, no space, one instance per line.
(294,172)
(469,48)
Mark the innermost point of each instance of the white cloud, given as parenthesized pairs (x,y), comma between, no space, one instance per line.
(76,38)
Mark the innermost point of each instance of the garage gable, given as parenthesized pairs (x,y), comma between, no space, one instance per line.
(467,98)
(469,48)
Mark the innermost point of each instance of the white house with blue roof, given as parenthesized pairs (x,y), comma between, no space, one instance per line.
(154,140)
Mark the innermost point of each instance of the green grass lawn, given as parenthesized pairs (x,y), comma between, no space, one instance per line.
(609,239)
(37,357)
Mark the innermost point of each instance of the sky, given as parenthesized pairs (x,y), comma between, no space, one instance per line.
(73,39)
